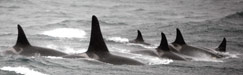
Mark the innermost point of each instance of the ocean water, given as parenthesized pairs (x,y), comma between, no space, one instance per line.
(65,25)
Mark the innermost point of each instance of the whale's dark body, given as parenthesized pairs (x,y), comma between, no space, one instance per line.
(179,50)
(139,39)
(23,47)
(165,51)
(99,51)
(180,45)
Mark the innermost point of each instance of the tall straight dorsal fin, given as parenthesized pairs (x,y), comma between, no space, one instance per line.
(179,38)
(163,44)
(222,46)
(139,37)
(21,40)
(97,43)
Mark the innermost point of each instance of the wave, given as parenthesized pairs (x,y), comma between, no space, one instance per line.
(7,34)
(16,1)
(235,18)
(150,60)
(54,57)
(70,50)
(118,39)
(10,7)
(236,15)
(208,59)
(65,33)
(144,46)
(67,49)
(22,70)
(229,55)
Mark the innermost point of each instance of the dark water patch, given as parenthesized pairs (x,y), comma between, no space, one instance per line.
(95,6)
(235,15)
(9,73)
(16,1)
(213,27)
(236,18)
(15,60)
(52,62)
(7,34)
(92,61)
(139,9)
(19,59)
(122,6)
(10,7)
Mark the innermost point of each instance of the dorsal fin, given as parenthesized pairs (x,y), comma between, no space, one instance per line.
(97,43)
(21,40)
(222,46)
(163,44)
(179,38)
(139,37)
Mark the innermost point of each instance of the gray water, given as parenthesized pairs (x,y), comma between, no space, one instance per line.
(65,25)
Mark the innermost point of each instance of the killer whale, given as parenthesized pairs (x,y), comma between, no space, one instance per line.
(23,47)
(165,51)
(222,46)
(98,50)
(139,39)
(179,50)
(181,47)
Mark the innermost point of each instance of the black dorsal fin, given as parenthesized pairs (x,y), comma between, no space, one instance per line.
(97,43)
(179,38)
(163,44)
(222,46)
(21,40)
(139,37)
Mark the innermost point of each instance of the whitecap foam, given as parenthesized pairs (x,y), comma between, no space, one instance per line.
(207,59)
(150,60)
(229,55)
(67,49)
(52,46)
(144,46)
(66,33)
(22,70)
(70,50)
(118,39)
(54,57)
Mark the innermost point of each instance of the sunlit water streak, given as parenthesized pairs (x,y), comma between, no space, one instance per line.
(22,70)
(66,33)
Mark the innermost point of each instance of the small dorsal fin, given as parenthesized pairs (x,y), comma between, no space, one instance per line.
(21,40)
(179,38)
(163,44)
(139,37)
(97,43)
(222,46)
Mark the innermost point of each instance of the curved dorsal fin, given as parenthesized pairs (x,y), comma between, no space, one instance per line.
(179,38)
(222,46)
(96,43)
(21,40)
(139,37)
(163,44)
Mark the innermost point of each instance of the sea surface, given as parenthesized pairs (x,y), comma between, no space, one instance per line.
(65,25)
